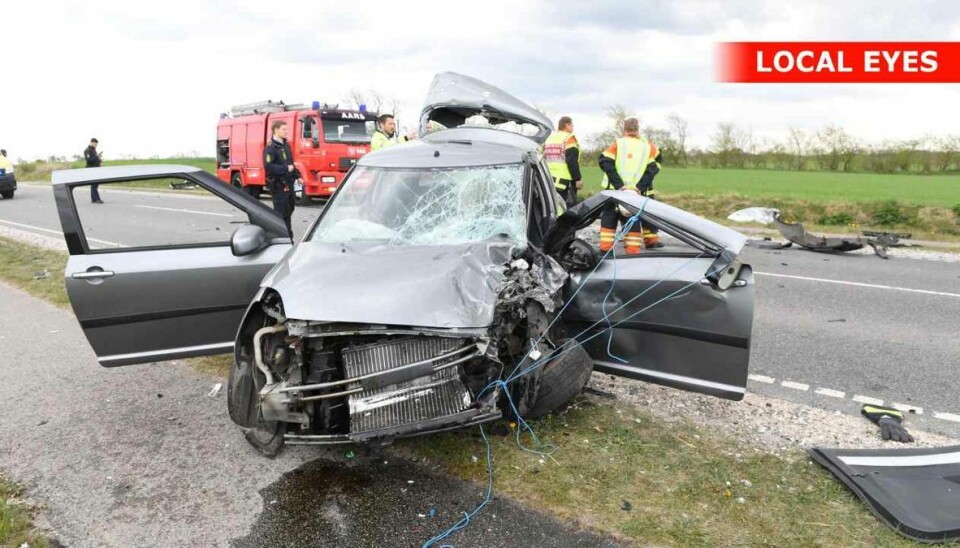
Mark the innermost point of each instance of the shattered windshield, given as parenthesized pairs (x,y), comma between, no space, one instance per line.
(427,207)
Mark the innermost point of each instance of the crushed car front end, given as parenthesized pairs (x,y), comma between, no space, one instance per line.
(411,298)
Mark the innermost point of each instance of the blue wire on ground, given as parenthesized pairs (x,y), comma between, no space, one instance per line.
(465,520)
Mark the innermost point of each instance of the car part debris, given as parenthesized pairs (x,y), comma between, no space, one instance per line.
(914,491)
(183,184)
(215,390)
(880,242)
(768,243)
(890,422)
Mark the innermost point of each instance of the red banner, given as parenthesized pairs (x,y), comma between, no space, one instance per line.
(839,62)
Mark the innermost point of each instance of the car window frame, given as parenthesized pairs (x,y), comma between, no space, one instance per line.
(76,237)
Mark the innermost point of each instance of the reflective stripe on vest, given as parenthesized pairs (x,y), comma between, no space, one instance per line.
(633,155)
(380,140)
(555,154)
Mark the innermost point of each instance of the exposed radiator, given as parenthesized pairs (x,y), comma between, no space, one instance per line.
(421,399)
(373,358)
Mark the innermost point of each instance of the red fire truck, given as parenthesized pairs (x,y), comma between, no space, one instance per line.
(326,142)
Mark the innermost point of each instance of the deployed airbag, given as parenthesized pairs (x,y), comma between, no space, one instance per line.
(914,491)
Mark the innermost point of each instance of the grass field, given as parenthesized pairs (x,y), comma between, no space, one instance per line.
(814,186)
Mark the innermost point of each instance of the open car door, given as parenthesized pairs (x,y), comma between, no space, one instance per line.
(453,98)
(147,291)
(678,318)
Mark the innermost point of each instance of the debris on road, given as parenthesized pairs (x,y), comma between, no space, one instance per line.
(768,243)
(795,233)
(213,391)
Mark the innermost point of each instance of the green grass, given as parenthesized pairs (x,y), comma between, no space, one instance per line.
(41,171)
(813,186)
(683,485)
(922,205)
(16,528)
(35,270)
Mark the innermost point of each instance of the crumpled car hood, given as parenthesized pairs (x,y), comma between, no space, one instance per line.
(452,98)
(421,286)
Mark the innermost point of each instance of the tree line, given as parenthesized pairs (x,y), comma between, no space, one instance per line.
(830,148)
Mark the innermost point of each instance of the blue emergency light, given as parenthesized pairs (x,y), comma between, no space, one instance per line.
(316,105)
(363,108)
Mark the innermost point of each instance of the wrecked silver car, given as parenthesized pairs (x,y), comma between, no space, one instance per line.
(438,289)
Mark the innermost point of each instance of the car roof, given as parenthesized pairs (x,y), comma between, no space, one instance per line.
(457,147)
(109,173)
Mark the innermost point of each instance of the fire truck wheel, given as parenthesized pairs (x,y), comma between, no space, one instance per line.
(254,191)
(236,182)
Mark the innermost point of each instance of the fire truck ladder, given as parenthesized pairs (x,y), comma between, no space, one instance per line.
(264,107)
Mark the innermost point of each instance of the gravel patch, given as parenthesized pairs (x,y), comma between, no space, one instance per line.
(761,423)
(46,242)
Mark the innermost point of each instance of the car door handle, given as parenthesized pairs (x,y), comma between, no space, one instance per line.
(90,274)
(736,283)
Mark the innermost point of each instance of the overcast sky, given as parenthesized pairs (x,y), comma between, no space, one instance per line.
(151,78)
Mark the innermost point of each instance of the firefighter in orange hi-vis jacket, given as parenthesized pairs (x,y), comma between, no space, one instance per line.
(631,161)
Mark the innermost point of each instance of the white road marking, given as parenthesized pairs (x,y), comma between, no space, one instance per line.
(761,378)
(795,385)
(831,393)
(859,284)
(907,408)
(867,400)
(947,417)
(185,211)
(58,232)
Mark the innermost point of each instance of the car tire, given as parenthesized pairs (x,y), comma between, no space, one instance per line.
(8,195)
(243,387)
(561,380)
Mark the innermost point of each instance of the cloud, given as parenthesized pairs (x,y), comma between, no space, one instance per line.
(151,79)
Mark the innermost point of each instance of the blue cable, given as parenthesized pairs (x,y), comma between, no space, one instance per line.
(465,520)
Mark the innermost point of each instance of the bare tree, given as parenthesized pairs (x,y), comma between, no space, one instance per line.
(617,114)
(948,152)
(798,145)
(678,128)
(728,145)
(835,148)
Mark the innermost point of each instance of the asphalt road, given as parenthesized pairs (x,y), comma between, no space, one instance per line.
(143,456)
(824,324)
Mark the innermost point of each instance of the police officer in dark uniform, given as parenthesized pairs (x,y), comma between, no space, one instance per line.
(281,175)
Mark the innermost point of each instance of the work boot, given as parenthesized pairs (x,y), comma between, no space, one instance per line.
(632,242)
(607,237)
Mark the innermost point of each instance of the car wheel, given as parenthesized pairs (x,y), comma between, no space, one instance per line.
(236,182)
(8,195)
(243,388)
(562,379)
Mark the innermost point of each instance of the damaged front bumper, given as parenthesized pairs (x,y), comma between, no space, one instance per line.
(395,383)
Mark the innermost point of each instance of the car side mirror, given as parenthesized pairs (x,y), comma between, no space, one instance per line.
(248,239)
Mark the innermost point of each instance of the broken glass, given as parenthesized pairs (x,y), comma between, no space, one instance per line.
(402,207)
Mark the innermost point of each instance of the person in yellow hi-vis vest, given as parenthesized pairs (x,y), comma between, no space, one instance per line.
(386,134)
(631,160)
(561,151)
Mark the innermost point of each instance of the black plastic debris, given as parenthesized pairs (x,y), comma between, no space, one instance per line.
(914,491)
